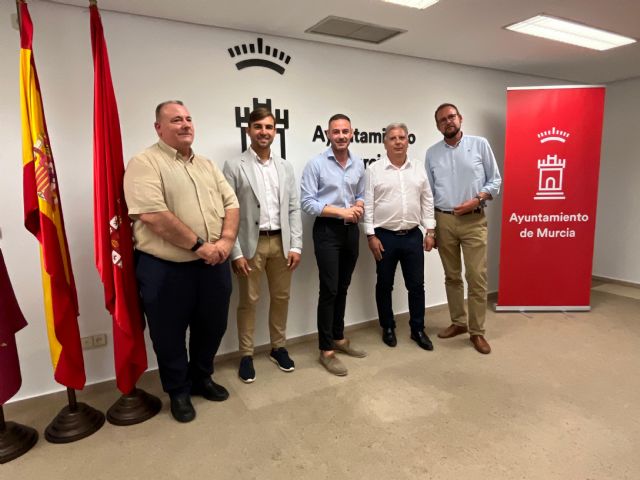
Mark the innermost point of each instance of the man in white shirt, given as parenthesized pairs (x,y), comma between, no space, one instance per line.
(269,239)
(398,201)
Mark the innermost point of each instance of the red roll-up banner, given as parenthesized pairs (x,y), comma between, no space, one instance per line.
(551,166)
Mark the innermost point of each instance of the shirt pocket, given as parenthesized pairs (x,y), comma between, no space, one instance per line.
(216,201)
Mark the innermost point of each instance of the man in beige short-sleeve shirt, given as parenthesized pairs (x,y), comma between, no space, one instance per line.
(185,225)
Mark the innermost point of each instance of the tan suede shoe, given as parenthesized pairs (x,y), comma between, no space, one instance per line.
(347,349)
(332,364)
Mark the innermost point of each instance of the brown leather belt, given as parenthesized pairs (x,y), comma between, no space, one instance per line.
(450,212)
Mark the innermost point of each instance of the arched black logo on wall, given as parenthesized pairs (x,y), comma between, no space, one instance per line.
(253,50)
(282,122)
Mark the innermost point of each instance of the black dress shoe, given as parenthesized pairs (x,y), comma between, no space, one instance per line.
(210,390)
(422,339)
(389,337)
(182,409)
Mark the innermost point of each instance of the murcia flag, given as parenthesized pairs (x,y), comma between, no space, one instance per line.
(112,228)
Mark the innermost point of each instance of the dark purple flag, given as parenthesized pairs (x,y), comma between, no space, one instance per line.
(11,320)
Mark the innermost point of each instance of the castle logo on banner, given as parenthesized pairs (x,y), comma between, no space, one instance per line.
(551,168)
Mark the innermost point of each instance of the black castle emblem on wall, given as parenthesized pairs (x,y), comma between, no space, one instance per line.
(282,122)
(253,50)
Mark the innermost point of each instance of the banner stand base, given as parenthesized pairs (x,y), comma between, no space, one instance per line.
(510,308)
(74,422)
(135,407)
(15,439)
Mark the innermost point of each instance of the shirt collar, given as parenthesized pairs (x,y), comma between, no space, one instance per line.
(389,165)
(173,152)
(456,145)
(257,159)
(329,154)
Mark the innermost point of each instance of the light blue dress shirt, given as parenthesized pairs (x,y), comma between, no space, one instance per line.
(457,174)
(325,182)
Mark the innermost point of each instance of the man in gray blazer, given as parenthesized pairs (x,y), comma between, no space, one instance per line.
(269,238)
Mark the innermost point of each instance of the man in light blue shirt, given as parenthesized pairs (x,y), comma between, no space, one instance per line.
(332,190)
(463,175)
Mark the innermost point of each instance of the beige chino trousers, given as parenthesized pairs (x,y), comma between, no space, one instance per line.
(466,234)
(269,258)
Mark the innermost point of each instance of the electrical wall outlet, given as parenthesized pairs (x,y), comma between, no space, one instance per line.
(100,340)
(94,341)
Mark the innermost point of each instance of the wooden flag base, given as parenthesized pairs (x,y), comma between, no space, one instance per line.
(15,439)
(135,407)
(74,422)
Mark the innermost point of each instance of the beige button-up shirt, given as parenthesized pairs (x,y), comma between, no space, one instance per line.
(194,189)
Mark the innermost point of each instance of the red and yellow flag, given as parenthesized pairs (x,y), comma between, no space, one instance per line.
(112,228)
(43,218)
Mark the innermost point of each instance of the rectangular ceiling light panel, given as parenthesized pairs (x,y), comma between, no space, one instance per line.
(421,4)
(565,31)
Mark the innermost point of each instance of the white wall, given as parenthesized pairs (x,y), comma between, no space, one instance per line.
(154,60)
(618,221)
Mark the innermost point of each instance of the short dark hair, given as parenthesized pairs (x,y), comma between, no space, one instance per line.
(445,105)
(338,116)
(260,114)
(163,104)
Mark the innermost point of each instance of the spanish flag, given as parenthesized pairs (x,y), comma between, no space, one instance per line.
(43,218)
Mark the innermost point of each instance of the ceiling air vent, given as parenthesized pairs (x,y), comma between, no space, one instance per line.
(354,30)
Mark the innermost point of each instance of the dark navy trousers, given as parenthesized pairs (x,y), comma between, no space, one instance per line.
(178,296)
(409,251)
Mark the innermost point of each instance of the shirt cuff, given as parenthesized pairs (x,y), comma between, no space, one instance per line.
(368,229)
(237,257)
(296,250)
(429,224)
(317,208)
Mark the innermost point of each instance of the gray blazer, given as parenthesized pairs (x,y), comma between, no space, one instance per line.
(241,176)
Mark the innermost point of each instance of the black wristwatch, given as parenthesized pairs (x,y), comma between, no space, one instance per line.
(198,244)
(483,202)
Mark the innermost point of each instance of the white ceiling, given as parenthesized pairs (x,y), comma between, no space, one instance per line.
(462,31)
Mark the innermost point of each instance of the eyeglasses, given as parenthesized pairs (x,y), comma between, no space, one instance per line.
(447,119)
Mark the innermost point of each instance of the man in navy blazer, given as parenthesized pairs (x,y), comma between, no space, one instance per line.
(269,238)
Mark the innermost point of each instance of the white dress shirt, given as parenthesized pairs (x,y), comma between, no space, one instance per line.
(397,198)
(268,192)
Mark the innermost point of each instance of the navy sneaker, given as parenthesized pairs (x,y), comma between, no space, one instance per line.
(246,372)
(280,357)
